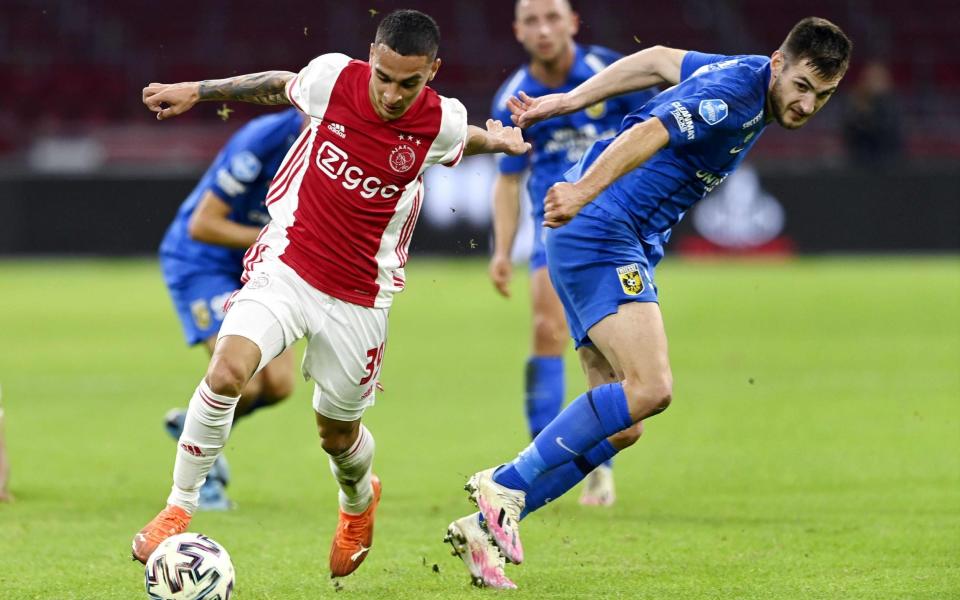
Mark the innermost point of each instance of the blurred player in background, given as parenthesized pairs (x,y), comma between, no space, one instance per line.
(201,256)
(5,495)
(546,28)
(609,225)
(343,207)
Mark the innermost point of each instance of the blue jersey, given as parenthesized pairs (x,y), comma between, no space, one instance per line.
(714,116)
(559,143)
(240,176)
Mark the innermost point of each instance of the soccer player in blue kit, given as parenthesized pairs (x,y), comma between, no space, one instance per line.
(557,64)
(201,257)
(609,223)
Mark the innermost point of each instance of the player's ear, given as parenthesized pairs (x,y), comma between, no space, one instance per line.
(372,47)
(434,68)
(776,62)
(574,23)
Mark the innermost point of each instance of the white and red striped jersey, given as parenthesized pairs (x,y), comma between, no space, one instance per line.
(346,198)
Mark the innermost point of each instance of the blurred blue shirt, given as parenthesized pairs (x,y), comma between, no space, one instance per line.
(240,176)
(559,143)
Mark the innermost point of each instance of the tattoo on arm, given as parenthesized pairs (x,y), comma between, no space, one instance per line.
(258,88)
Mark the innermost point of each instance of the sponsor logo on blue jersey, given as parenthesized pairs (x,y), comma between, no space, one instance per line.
(245,166)
(725,64)
(710,180)
(753,121)
(713,111)
(684,119)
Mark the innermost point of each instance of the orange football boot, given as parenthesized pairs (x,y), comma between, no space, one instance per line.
(354,537)
(171,521)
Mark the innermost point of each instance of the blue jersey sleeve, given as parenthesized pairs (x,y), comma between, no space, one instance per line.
(506,164)
(692,61)
(243,157)
(237,171)
(694,115)
(239,166)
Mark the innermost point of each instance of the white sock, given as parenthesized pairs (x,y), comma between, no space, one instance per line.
(205,431)
(353,469)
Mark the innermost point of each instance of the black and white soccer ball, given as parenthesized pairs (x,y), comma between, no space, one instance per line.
(189,566)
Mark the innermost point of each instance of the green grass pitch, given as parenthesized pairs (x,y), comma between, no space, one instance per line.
(812,450)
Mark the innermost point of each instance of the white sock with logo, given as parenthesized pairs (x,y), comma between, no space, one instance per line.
(205,431)
(352,470)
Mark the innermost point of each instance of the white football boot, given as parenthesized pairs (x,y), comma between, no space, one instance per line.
(501,508)
(484,561)
(598,489)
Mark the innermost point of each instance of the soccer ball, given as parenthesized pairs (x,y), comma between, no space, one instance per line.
(189,566)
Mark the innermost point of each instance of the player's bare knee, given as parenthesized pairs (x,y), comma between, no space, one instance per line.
(549,335)
(226,377)
(335,444)
(647,398)
(336,437)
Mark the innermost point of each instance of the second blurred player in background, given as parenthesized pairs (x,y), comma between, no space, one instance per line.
(201,256)
(557,64)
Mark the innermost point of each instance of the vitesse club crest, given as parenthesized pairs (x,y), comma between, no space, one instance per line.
(596,111)
(630,279)
(201,314)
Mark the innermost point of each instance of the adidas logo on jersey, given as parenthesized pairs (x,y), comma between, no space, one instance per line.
(338,129)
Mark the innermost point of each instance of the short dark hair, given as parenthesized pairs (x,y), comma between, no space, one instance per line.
(820,43)
(409,33)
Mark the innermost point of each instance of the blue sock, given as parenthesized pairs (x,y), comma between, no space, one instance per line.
(587,421)
(544,391)
(556,482)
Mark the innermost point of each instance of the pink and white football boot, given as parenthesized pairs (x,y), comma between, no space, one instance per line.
(482,558)
(501,508)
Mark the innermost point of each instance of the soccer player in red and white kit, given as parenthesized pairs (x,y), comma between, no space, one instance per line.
(343,207)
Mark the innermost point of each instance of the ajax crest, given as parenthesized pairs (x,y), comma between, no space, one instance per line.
(402,158)
(630,279)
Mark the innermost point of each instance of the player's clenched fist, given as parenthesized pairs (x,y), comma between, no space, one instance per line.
(562,203)
(171,99)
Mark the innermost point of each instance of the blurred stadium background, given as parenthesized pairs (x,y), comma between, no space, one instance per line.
(813,451)
(877,171)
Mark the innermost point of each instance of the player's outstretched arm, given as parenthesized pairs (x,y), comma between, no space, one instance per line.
(631,149)
(652,66)
(211,223)
(172,99)
(495,138)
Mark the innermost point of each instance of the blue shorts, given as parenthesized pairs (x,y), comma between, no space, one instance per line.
(596,263)
(198,299)
(538,255)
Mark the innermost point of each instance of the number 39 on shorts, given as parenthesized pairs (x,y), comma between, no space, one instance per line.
(373,367)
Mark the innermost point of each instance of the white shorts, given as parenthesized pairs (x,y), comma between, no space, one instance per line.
(345,341)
